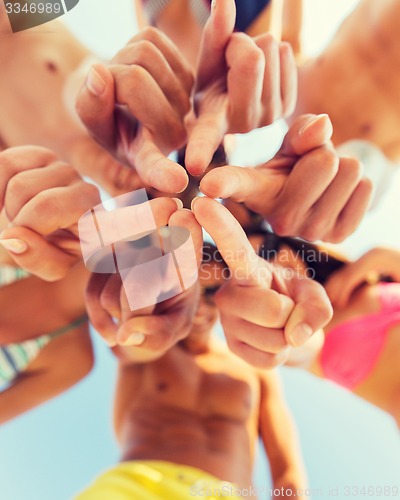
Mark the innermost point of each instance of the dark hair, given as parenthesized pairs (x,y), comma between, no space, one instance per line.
(320,262)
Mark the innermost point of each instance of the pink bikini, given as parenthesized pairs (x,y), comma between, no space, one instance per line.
(352,348)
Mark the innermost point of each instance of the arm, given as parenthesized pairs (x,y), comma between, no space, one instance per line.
(41,75)
(49,375)
(368,269)
(278,433)
(292,24)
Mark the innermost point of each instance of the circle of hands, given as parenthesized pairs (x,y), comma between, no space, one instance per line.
(139,108)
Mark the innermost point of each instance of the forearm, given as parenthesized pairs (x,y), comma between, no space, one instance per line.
(279,436)
(293,24)
(35,71)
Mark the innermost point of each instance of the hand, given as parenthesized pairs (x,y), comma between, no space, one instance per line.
(242,84)
(135,108)
(42,199)
(305,190)
(263,309)
(377,262)
(156,328)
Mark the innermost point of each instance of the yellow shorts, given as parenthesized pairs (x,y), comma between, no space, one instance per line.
(157,481)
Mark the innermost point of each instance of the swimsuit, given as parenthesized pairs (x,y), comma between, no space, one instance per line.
(15,358)
(353,348)
(149,480)
(247,11)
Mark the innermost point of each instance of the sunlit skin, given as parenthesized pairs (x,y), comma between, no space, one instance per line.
(204,408)
(358,76)
(382,385)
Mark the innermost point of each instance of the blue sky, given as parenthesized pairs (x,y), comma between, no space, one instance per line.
(55,451)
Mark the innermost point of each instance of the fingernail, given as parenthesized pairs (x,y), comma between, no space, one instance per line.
(95,83)
(301,334)
(179,203)
(111,343)
(308,125)
(136,339)
(282,356)
(213,5)
(194,201)
(14,245)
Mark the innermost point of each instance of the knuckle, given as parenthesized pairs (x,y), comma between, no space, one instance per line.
(266,41)
(284,224)
(90,192)
(351,167)
(16,187)
(129,79)
(272,113)
(339,234)
(161,341)
(151,34)
(327,160)
(144,49)
(45,204)
(315,230)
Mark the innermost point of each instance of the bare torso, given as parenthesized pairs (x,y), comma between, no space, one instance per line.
(197,410)
(356,80)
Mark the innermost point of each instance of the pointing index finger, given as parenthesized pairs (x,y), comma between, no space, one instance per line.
(246,267)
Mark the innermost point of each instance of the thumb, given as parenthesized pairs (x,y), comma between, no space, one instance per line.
(155,169)
(236,183)
(204,137)
(307,132)
(95,104)
(312,310)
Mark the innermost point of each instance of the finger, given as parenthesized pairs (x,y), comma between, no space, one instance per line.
(154,332)
(322,221)
(288,79)
(307,132)
(142,280)
(20,159)
(271,95)
(267,340)
(246,267)
(174,58)
(34,254)
(216,35)
(186,219)
(147,55)
(205,136)
(95,104)
(236,183)
(255,357)
(306,183)
(312,310)
(246,64)
(91,160)
(110,296)
(57,208)
(140,93)
(354,211)
(264,308)
(24,186)
(126,223)
(100,319)
(156,170)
